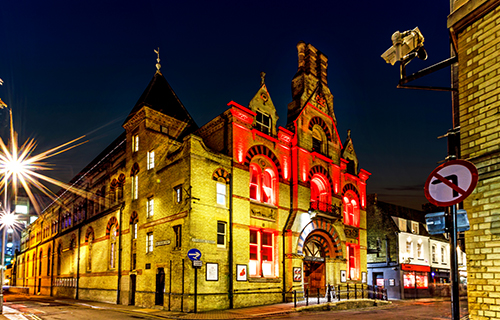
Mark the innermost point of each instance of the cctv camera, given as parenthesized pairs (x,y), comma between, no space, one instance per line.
(405,46)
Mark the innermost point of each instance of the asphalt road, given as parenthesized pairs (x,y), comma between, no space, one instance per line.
(36,308)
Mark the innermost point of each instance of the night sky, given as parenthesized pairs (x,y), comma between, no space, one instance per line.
(78,68)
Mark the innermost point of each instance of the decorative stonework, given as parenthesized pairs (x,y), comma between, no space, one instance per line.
(260,211)
(351,232)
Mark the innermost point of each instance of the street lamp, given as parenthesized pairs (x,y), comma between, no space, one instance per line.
(6,221)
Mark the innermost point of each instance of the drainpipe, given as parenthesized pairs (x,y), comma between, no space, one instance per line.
(231,284)
(387,251)
(52,267)
(78,263)
(283,234)
(119,277)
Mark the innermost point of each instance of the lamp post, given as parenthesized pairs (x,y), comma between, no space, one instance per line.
(6,221)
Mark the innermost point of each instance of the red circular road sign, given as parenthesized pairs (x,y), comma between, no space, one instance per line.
(451,183)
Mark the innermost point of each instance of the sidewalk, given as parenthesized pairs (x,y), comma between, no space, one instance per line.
(241,313)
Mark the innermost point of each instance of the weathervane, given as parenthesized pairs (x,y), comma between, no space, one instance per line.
(158,65)
(262,77)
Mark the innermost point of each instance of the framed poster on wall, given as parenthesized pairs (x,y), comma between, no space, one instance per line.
(297,274)
(241,272)
(363,277)
(212,271)
(343,276)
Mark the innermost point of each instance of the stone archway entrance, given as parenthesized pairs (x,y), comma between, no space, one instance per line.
(314,266)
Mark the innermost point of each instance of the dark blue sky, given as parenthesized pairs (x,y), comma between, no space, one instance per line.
(78,68)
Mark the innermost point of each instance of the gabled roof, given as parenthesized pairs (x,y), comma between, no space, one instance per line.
(160,97)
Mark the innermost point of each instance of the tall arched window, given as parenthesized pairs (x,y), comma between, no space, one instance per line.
(320,193)
(40,263)
(72,257)
(90,244)
(318,140)
(59,259)
(351,209)
(263,183)
(112,247)
(48,261)
(34,265)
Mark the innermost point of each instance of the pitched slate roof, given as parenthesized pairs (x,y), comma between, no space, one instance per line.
(160,97)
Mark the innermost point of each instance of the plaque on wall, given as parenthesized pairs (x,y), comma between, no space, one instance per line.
(343,276)
(297,274)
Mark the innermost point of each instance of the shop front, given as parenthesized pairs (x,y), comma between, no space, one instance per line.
(415,281)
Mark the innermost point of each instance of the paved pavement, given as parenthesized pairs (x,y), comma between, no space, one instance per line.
(242,313)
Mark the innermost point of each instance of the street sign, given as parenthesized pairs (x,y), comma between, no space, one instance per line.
(451,183)
(197,263)
(194,254)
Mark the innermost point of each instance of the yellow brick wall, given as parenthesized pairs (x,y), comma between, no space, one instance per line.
(479,92)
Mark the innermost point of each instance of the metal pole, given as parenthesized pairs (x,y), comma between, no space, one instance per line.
(195,288)
(455,302)
(3,267)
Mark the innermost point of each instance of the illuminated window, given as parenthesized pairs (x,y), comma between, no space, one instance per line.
(443,255)
(262,184)
(263,122)
(221,234)
(261,253)
(318,138)
(420,250)
(320,194)
(221,193)
(178,236)
(353,257)
(112,247)
(351,209)
(415,280)
(150,207)
(149,242)
(409,247)
(133,253)
(414,227)
(23,209)
(178,194)
(151,159)
(135,186)
(434,254)
(135,143)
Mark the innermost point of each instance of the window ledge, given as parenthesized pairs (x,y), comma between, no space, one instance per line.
(263,204)
(264,280)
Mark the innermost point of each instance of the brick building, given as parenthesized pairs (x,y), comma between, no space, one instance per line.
(271,209)
(474,26)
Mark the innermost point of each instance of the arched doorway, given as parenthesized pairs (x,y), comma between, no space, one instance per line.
(314,265)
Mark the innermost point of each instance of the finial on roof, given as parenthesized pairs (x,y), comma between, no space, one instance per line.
(158,65)
(262,77)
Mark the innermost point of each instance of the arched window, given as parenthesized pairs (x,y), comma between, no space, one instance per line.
(112,247)
(353,261)
(263,183)
(318,140)
(33,265)
(133,253)
(72,258)
(351,209)
(59,259)
(320,194)
(40,263)
(90,243)
(48,261)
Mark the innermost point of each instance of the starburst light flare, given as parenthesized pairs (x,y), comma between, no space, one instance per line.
(20,166)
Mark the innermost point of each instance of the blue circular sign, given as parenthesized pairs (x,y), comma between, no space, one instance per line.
(194,254)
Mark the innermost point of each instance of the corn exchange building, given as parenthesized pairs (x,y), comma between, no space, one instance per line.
(265,209)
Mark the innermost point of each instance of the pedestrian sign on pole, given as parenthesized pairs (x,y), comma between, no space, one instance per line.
(451,183)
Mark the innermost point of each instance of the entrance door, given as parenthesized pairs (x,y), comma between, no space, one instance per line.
(160,286)
(314,274)
(133,278)
(314,267)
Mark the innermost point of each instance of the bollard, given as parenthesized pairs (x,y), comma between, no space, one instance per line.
(318,295)
(339,292)
(347,292)
(355,292)
(295,298)
(307,297)
(328,293)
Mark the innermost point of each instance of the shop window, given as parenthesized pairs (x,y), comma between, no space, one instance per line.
(262,184)
(261,253)
(263,122)
(351,209)
(221,193)
(151,159)
(353,259)
(221,234)
(417,280)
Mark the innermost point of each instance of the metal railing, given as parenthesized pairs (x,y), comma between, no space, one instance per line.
(339,292)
